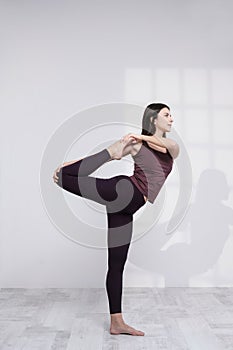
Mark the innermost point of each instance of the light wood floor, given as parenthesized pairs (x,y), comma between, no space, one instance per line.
(172,318)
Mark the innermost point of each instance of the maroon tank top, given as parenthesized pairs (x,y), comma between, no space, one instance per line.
(151,168)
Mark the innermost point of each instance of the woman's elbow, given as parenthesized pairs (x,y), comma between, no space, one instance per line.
(175,150)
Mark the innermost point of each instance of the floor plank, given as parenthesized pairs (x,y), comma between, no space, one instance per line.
(67,319)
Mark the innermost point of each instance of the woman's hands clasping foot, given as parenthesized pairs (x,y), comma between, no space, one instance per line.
(116,149)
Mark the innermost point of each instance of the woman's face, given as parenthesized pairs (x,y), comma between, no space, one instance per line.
(164,120)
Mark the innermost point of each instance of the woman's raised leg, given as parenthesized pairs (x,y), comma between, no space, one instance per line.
(87,165)
(74,178)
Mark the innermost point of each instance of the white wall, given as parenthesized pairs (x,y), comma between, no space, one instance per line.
(61,58)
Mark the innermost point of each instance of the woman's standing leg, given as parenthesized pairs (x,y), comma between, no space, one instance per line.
(119,226)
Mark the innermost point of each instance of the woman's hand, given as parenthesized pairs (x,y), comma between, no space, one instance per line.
(55,176)
(135,138)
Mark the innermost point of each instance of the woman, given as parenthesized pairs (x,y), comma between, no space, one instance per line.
(123,195)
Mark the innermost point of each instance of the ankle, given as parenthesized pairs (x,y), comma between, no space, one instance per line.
(110,152)
(117,318)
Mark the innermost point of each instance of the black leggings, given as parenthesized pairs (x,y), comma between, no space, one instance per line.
(121,198)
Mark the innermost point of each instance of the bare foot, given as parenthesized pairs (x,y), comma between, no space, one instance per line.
(124,329)
(116,149)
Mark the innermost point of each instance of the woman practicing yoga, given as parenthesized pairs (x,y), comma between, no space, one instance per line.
(123,195)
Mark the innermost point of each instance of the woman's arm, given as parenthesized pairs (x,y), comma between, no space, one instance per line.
(159,141)
(129,148)
(157,148)
(55,176)
(71,162)
(169,144)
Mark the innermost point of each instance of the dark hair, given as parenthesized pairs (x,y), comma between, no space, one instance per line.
(152,110)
